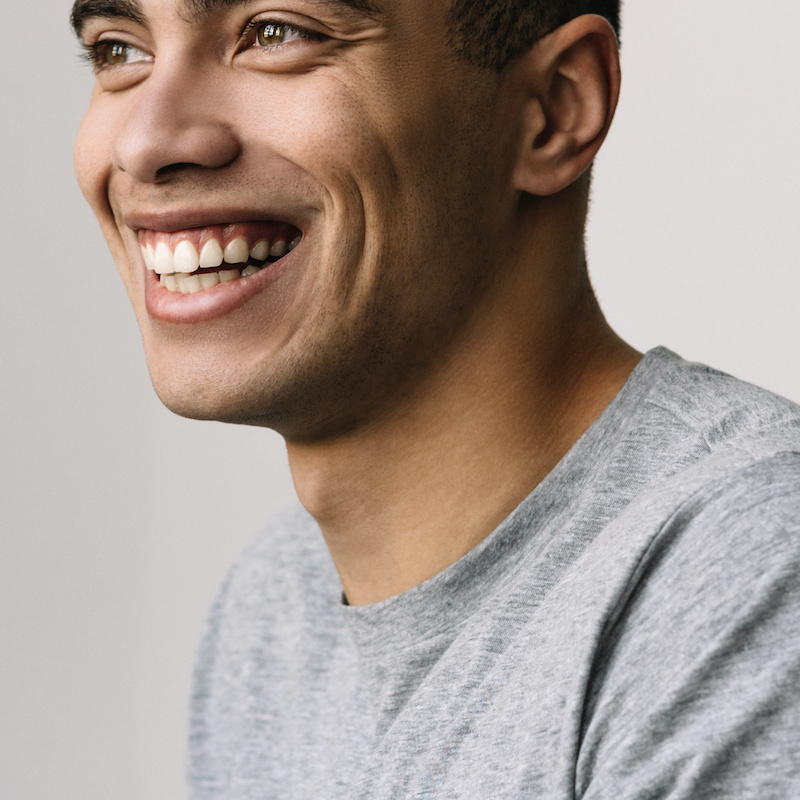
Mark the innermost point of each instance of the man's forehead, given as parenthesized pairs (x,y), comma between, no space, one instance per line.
(192,10)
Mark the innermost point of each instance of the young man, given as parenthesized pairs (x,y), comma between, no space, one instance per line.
(530,562)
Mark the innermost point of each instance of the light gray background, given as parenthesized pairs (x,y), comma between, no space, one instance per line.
(118,519)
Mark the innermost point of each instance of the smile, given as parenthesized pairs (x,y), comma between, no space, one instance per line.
(198,259)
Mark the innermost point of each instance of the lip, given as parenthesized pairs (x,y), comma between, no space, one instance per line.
(224,298)
(177,220)
(218,301)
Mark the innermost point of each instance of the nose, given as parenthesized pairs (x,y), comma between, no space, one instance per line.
(177,121)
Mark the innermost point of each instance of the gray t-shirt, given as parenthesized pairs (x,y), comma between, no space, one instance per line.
(630,631)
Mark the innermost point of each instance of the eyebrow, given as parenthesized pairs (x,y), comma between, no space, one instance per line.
(203,8)
(84,10)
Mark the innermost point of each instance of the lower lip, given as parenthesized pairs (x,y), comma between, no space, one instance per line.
(210,304)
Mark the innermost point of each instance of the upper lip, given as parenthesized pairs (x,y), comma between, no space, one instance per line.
(180,219)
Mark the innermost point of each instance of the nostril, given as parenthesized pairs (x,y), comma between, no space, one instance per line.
(174,169)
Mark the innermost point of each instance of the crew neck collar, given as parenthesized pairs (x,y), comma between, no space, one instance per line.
(435,609)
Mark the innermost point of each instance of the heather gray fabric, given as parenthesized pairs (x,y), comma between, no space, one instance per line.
(630,631)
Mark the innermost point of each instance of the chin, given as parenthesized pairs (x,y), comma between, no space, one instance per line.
(297,407)
(203,406)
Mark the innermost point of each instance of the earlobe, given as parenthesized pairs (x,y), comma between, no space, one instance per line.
(571,78)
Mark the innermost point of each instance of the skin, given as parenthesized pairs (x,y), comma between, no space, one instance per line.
(432,347)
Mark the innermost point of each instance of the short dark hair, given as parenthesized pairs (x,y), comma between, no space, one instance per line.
(491,33)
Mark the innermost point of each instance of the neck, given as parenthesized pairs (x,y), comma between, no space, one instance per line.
(403,498)
(408,493)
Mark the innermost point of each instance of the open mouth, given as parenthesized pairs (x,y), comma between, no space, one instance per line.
(198,259)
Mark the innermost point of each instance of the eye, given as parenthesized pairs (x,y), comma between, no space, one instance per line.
(110,53)
(270,34)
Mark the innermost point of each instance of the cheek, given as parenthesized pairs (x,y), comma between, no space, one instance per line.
(327,132)
(92,162)
(325,128)
(91,157)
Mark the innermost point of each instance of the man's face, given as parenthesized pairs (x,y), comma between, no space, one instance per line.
(322,190)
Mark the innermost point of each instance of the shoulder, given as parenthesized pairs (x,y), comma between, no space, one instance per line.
(284,573)
(721,411)
(717,537)
(697,673)
(695,681)
(276,617)
(281,587)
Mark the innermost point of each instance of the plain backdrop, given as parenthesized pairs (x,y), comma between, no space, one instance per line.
(119,519)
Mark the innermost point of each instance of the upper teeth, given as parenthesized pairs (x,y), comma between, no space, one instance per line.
(260,251)
(211,255)
(186,259)
(237,251)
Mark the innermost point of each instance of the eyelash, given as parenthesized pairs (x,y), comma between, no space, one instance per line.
(97,53)
(94,53)
(250,32)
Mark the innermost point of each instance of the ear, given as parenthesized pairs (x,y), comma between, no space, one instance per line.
(570,80)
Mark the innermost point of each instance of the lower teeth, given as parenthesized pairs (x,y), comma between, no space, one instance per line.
(184,283)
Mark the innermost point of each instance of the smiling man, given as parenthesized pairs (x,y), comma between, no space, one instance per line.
(529,562)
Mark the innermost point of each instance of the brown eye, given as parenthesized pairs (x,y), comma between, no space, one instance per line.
(270,34)
(105,54)
(116,53)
